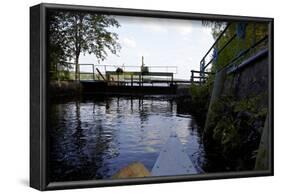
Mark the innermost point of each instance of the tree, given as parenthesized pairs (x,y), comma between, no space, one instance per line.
(56,47)
(74,33)
(216,27)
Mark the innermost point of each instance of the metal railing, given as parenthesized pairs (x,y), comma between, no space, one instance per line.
(93,72)
(239,50)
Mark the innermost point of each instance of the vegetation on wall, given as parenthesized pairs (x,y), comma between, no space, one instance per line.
(234,130)
(200,98)
(247,34)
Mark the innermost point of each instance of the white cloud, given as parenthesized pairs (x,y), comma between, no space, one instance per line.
(151,26)
(160,25)
(184,30)
(128,42)
(187,38)
(190,59)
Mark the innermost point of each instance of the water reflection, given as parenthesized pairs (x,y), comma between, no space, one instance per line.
(94,138)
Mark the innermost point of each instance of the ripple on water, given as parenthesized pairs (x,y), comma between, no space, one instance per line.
(94,139)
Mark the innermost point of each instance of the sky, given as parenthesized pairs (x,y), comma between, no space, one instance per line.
(162,42)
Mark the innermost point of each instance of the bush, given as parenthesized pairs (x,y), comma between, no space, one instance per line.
(200,99)
(234,129)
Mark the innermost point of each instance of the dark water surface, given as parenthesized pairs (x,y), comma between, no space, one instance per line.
(94,138)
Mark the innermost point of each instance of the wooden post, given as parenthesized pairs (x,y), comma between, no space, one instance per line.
(140,79)
(132,80)
(192,75)
(172,78)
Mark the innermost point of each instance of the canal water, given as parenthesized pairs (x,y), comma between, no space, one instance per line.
(93,138)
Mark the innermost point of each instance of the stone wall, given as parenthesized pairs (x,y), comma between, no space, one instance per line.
(240,94)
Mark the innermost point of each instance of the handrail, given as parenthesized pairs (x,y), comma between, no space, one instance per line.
(245,51)
(95,72)
(214,44)
(236,56)
(174,69)
(226,44)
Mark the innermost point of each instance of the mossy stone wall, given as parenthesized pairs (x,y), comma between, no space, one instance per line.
(236,116)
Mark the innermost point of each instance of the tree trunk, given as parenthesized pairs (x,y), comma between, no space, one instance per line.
(77,69)
(77,73)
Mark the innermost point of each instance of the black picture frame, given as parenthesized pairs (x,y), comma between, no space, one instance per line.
(38,97)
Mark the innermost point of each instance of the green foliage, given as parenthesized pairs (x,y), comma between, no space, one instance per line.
(56,49)
(200,98)
(233,128)
(255,31)
(235,125)
(227,134)
(217,27)
(225,131)
(72,33)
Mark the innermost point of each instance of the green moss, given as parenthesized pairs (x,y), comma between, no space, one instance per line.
(234,127)
(200,95)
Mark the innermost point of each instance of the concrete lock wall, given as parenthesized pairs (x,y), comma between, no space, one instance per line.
(245,80)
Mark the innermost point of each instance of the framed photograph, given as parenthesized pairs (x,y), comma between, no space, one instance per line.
(126,96)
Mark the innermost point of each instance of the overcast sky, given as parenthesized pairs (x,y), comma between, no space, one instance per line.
(162,42)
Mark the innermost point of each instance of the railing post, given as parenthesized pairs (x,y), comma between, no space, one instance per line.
(202,69)
(192,76)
